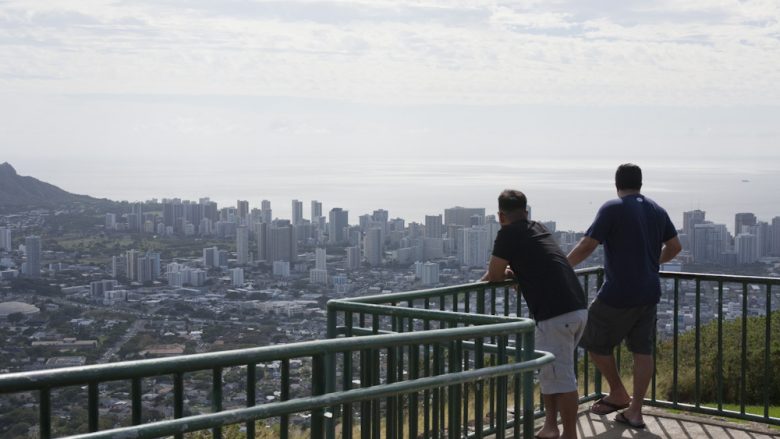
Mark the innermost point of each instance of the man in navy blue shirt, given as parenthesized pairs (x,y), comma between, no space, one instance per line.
(638,236)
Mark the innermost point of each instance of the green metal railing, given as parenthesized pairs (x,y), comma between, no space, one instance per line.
(455,362)
(431,349)
(710,293)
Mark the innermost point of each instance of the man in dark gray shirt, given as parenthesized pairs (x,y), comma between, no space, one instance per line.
(554,297)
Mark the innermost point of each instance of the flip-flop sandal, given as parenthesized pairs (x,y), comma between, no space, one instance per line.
(611,407)
(622,419)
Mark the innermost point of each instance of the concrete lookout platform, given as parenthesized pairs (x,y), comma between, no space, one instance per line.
(664,424)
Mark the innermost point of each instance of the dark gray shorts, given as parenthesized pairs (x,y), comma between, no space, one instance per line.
(608,326)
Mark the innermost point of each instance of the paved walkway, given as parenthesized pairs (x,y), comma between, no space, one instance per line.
(662,424)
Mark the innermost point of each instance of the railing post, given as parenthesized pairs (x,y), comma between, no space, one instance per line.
(251,383)
(135,396)
(767,346)
(216,398)
(743,377)
(697,358)
(675,341)
(597,373)
(44,409)
(317,388)
(284,421)
(178,398)
(330,375)
(92,404)
(528,386)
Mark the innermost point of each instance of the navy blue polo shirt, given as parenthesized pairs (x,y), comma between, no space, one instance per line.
(633,229)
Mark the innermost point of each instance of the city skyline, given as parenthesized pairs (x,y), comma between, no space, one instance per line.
(166,98)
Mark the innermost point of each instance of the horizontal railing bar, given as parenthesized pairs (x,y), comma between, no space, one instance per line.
(467,345)
(757,280)
(422,294)
(236,416)
(422,314)
(25,381)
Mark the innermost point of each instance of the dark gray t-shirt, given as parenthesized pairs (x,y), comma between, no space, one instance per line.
(547,281)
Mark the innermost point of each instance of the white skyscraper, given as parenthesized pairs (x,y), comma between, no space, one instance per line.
(242,245)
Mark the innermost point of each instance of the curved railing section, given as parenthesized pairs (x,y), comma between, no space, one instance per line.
(378,373)
(445,362)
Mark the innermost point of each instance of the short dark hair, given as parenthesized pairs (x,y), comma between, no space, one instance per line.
(511,201)
(628,177)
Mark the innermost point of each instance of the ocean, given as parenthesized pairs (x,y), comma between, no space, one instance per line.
(568,191)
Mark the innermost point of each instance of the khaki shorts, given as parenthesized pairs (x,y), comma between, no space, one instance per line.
(608,326)
(560,335)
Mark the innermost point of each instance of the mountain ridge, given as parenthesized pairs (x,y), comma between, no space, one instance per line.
(19,191)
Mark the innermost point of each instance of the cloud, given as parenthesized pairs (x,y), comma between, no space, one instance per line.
(611,52)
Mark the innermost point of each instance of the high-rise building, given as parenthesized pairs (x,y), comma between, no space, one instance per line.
(242,210)
(282,245)
(297,212)
(242,245)
(237,277)
(148,267)
(763,232)
(373,246)
(746,245)
(5,239)
(210,257)
(118,266)
(320,258)
(261,238)
(110,221)
(690,219)
(709,242)
(461,216)
(775,236)
(743,219)
(32,251)
(353,258)
(475,247)
(316,211)
(98,288)
(430,273)
(338,222)
(265,211)
(433,226)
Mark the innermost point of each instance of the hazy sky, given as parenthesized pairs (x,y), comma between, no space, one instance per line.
(191,84)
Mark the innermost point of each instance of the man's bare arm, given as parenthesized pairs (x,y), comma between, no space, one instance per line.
(497,270)
(582,250)
(670,249)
